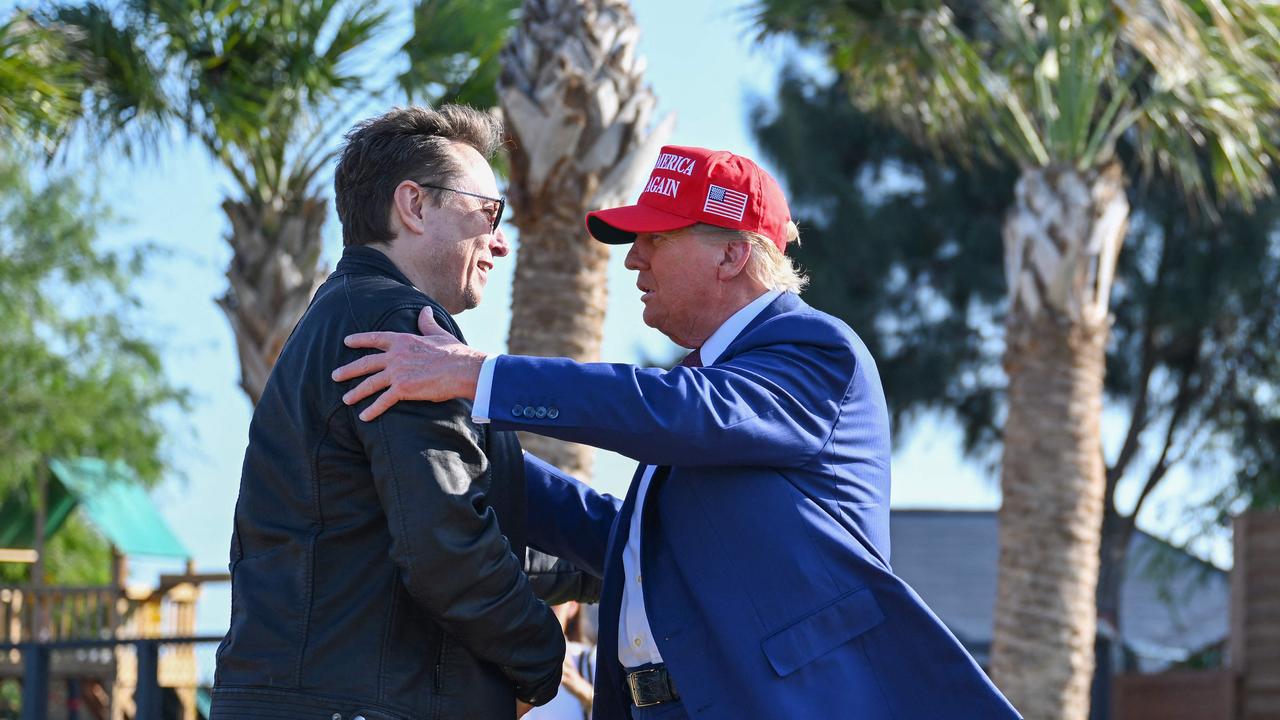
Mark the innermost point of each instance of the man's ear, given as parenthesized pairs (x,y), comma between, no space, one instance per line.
(734,260)
(407,206)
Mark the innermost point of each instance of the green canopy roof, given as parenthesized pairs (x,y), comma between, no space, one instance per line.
(112,499)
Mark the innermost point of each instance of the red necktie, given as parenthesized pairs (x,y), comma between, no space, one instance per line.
(693,359)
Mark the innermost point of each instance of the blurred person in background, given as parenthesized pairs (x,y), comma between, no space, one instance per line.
(573,702)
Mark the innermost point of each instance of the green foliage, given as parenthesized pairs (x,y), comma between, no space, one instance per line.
(1197,321)
(39,81)
(77,555)
(453,52)
(902,245)
(255,82)
(905,246)
(266,87)
(124,95)
(76,377)
(10,699)
(1191,85)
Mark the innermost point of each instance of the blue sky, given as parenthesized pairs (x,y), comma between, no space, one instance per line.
(702,65)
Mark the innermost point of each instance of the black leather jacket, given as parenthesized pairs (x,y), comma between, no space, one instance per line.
(377,567)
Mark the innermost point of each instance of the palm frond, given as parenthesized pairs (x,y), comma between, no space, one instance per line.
(1215,88)
(453,51)
(125,100)
(40,82)
(255,73)
(1062,81)
(931,67)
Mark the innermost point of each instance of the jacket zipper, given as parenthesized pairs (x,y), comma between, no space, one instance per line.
(440,661)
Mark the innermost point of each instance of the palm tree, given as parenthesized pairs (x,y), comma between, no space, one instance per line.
(266,87)
(578,116)
(250,82)
(1053,86)
(39,82)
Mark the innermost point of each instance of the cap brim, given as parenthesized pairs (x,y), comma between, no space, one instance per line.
(620,225)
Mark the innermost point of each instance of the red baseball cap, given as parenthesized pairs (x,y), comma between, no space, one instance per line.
(692,185)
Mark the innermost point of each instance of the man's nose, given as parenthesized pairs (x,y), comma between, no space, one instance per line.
(634,261)
(500,247)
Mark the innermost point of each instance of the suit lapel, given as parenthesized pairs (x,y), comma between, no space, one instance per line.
(651,496)
(611,594)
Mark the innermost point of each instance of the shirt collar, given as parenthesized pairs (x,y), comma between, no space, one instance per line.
(728,331)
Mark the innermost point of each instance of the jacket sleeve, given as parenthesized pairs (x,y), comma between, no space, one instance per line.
(446,541)
(774,403)
(555,580)
(567,517)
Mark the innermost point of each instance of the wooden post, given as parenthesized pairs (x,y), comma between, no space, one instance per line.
(42,516)
(119,576)
(119,568)
(40,614)
(1255,614)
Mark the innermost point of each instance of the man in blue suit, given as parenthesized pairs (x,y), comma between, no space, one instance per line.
(746,574)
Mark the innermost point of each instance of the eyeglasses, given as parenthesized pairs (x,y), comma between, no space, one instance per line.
(497,216)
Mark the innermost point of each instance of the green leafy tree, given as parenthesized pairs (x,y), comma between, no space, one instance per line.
(453,51)
(77,377)
(902,243)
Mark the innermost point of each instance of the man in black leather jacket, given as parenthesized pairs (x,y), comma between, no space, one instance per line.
(377,568)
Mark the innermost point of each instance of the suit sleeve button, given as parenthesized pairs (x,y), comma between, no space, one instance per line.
(553,412)
(517,410)
(541,413)
(529,412)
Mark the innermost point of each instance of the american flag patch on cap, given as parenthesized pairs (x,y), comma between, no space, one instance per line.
(725,203)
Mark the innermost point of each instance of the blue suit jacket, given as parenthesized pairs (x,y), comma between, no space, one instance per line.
(766,531)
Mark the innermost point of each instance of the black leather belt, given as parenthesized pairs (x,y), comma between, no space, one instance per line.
(651,686)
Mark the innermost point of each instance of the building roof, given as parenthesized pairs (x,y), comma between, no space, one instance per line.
(1172,604)
(112,499)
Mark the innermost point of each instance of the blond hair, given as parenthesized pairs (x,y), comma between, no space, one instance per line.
(767,265)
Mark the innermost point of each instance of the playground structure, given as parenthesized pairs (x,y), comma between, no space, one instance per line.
(78,642)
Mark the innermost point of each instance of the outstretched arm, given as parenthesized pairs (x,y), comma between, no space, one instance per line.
(775,403)
(567,517)
(774,406)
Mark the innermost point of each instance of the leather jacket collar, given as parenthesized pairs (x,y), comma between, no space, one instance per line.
(366,260)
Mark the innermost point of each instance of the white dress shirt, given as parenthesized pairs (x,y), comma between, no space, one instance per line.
(636,646)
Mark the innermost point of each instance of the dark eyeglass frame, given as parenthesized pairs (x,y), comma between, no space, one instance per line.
(502,201)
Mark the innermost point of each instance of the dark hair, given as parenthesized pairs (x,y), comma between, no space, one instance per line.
(410,143)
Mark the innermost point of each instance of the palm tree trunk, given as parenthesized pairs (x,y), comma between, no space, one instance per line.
(1061,242)
(274,272)
(577,113)
(558,303)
